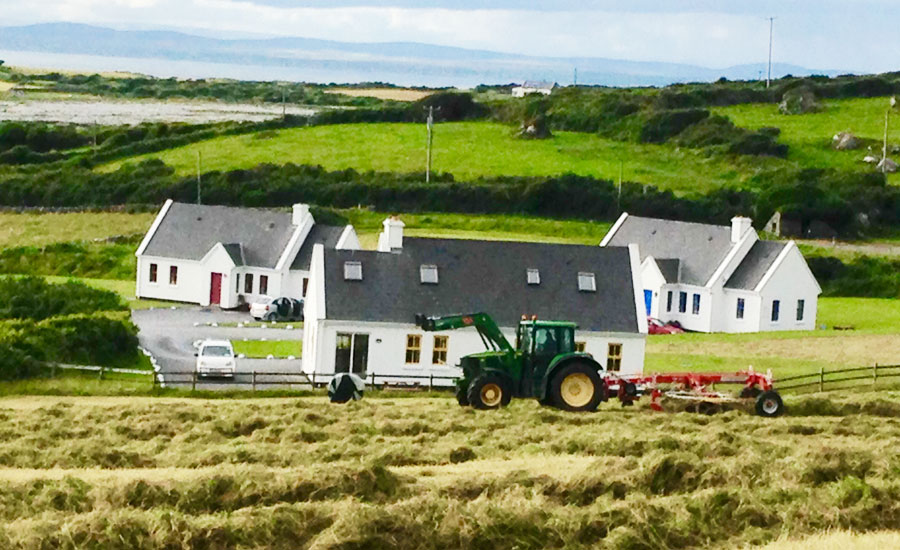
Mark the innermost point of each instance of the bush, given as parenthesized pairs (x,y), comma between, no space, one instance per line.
(33,298)
(88,260)
(663,125)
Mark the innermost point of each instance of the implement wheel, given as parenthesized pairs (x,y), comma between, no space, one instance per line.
(489,392)
(577,387)
(769,404)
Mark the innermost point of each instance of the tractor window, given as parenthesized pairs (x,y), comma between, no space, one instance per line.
(566,342)
(525,339)
(545,342)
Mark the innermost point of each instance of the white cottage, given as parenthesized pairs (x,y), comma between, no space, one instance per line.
(227,256)
(714,278)
(534,87)
(361,305)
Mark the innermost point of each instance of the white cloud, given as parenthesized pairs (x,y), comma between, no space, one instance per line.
(705,38)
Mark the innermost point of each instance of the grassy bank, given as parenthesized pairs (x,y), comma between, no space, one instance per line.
(425,473)
(465,149)
(265,348)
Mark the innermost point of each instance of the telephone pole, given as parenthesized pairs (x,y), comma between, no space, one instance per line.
(429,122)
(283,105)
(771,29)
(575,78)
(887,118)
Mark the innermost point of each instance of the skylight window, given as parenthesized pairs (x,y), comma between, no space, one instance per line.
(428,274)
(353,271)
(533,276)
(587,282)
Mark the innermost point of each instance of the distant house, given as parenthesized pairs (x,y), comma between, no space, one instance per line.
(361,304)
(534,87)
(713,278)
(226,256)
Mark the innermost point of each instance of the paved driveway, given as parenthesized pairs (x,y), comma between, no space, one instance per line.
(169,334)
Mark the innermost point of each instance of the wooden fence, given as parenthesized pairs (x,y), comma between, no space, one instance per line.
(826,380)
(256,380)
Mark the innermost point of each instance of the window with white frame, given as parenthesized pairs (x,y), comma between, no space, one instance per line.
(682,302)
(740,308)
(263,284)
(428,274)
(248,283)
(695,306)
(173,275)
(669,301)
(533,276)
(587,282)
(439,353)
(153,269)
(353,271)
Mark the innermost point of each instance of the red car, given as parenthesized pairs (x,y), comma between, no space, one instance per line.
(655,326)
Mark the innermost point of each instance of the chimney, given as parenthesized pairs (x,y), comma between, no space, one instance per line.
(301,213)
(391,238)
(739,227)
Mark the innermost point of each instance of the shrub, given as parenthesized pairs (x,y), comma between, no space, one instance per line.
(36,299)
(663,125)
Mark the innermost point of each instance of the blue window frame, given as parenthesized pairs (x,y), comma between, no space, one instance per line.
(695,307)
(669,301)
(800,307)
(740,308)
(682,302)
(776,307)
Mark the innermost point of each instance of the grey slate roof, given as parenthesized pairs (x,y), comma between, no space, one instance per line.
(487,276)
(189,231)
(235,252)
(319,234)
(539,84)
(669,269)
(699,247)
(755,265)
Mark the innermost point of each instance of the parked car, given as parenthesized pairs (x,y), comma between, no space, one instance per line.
(655,326)
(277,309)
(215,358)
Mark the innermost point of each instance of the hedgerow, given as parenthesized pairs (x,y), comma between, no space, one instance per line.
(35,299)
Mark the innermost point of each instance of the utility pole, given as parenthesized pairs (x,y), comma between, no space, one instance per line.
(575,79)
(771,29)
(887,117)
(283,105)
(198,177)
(619,192)
(429,122)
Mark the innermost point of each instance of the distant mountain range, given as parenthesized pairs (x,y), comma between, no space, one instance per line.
(407,63)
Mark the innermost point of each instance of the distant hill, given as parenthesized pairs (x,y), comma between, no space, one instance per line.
(415,63)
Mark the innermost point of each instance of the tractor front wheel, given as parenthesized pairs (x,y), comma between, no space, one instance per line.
(461,396)
(577,387)
(489,392)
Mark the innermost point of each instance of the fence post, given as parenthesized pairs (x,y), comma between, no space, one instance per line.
(821,379)
(153,388)
(100,376)
(430,381)
(254,381)
(314,379)
(53,371)
(875,373)
(373,380)
(194,380)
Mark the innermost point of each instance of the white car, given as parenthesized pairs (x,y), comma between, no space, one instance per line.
(277,309)
(215,358)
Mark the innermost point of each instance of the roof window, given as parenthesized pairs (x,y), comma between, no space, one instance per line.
(533,276)
(587,282)
(353,271)
(428,274)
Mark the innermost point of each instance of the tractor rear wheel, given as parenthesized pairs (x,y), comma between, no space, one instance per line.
(489,392)
(769,404)
(577,387)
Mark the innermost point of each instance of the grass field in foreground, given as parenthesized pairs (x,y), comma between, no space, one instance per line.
(809,136)
(841,540)
(138,473)
(465,149)
(264,348)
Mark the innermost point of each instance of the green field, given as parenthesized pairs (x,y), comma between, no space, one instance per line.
(39,229)
(264,348)
(101,473)
(465,149)
(809,135)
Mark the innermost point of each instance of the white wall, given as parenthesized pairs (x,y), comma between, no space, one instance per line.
(790,281)
(727,320)
(699,322)
(652,279)
(387,349)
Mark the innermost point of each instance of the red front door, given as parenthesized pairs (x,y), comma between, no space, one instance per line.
(215,288)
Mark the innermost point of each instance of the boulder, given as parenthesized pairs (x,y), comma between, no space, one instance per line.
(799,101)
(845,141)
(888,166)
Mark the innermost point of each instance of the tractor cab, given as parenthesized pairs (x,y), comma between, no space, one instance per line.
(539,343)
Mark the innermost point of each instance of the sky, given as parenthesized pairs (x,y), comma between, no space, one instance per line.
(853,35)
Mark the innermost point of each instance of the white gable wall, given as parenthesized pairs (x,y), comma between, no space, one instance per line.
(789,280)
(727,313)
(700,321)
(652,280)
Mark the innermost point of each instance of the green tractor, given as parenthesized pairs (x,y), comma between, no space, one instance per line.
(543,365)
